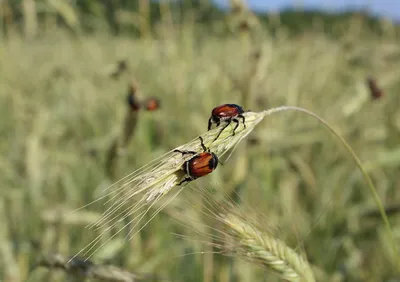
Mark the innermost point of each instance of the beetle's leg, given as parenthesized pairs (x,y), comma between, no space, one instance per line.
(185,152)
(209,123)
(236,126)
(202,144)
(243,119)
(186,179)
(228,122)
(213,120)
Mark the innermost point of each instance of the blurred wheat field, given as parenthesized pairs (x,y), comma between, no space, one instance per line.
(61,111)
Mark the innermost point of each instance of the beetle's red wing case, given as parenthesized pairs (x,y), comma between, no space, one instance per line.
(200,165)
(225,111)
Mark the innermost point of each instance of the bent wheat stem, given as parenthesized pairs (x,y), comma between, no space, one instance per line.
(368,180)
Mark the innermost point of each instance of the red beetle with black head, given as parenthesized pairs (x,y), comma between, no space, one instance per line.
(199,165)
(226,113)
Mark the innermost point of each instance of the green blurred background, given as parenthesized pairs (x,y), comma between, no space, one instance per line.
(64,112)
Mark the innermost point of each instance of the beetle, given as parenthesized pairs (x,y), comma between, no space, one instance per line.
(152,104)
(227,113)
(200,164)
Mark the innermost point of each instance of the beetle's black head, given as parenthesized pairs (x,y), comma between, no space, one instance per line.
(215,119)
(239,108)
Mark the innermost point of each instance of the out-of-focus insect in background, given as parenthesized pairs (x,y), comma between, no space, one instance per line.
(91,91)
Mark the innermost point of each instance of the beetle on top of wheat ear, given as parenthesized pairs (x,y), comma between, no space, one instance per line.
(226,113)
(199,165)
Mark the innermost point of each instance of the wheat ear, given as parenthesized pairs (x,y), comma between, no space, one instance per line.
(266,250)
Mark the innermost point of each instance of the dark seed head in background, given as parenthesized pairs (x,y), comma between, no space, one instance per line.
(375,91)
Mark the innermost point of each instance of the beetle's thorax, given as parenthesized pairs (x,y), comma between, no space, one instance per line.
(213,162)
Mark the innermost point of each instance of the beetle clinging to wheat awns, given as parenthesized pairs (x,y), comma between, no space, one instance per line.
(199,165)
(226,113)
